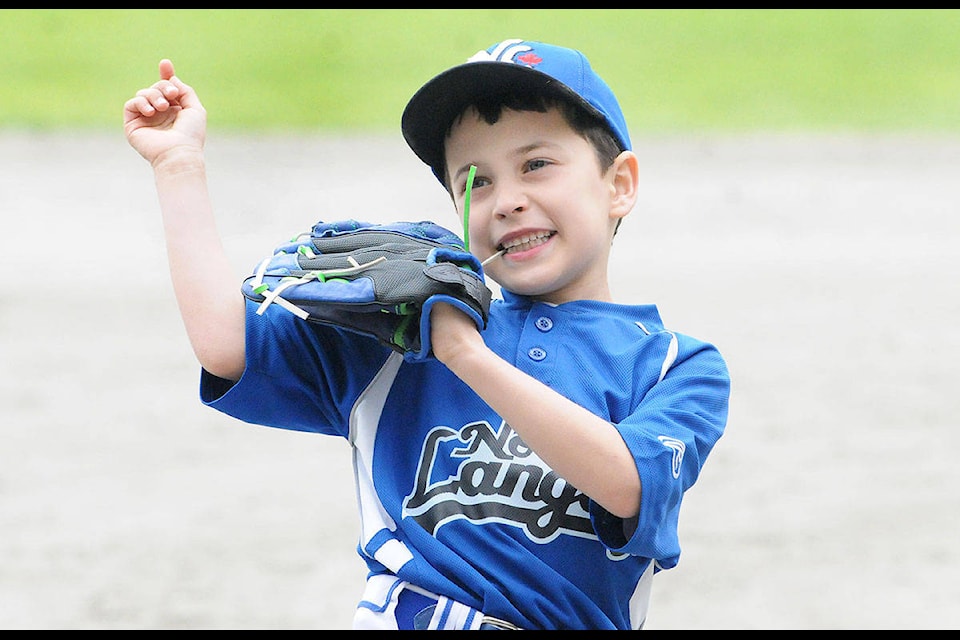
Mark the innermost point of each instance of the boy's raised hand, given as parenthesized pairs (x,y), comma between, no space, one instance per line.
(164,116)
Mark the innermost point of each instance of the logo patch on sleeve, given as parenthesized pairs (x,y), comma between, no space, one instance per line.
(678,448)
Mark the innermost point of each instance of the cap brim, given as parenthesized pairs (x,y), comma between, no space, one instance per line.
(430,111)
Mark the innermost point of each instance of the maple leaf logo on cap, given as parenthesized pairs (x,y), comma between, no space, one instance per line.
(530,59)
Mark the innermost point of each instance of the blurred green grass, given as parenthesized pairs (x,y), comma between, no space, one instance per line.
(338,69)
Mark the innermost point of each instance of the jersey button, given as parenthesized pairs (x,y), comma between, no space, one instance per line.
(544,323)
(536,353)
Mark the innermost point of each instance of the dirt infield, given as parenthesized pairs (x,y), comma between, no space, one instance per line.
(825,269)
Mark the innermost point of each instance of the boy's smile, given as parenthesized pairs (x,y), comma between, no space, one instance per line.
(539,194)
(522,242)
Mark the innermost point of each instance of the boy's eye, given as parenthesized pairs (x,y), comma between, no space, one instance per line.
(538,163)
(478,181)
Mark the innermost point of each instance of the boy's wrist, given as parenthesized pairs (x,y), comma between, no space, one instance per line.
(467,356)
(178,160)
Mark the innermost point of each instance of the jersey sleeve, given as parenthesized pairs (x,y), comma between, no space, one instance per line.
(671,433)
(299,375)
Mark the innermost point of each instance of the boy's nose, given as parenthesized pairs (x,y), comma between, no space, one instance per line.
(510,199)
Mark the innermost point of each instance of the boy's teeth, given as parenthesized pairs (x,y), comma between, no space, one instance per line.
(532,239)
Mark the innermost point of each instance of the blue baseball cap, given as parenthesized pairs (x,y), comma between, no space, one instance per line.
(516,64)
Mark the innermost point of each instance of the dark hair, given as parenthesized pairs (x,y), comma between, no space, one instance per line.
(593,128)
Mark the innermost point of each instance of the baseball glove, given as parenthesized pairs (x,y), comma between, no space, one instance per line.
(376,280)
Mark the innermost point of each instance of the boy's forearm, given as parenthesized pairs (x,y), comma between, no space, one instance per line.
(204,282)
(584,449)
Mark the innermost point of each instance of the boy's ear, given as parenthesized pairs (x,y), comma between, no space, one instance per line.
(625,175)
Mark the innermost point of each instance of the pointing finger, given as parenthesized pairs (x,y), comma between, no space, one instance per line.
(166,69)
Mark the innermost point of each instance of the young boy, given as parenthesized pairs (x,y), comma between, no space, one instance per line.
(529,475)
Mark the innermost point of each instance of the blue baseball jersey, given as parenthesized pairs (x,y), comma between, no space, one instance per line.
(450,497)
